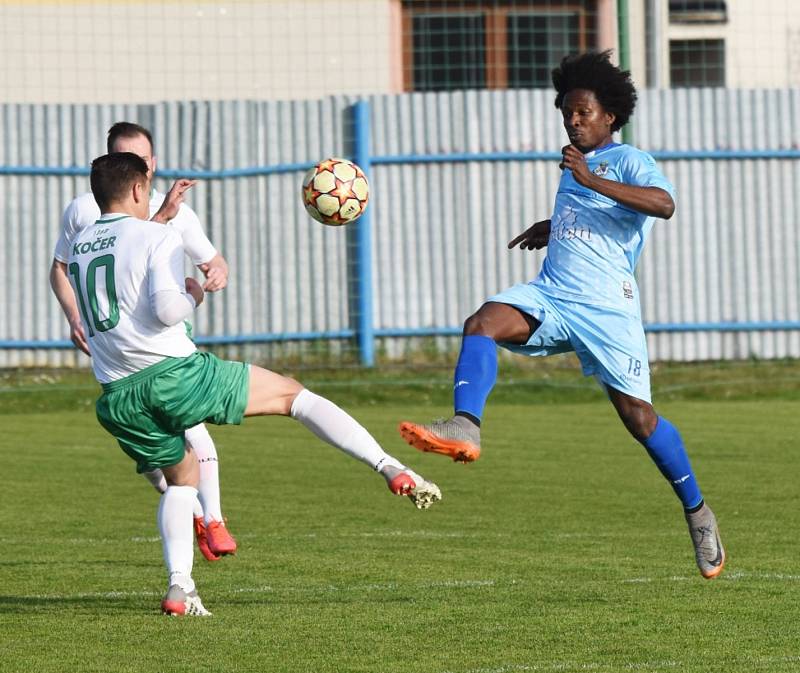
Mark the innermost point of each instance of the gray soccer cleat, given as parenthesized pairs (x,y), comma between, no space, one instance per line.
(406,482)
(708,549)
(456,437)
(179,602)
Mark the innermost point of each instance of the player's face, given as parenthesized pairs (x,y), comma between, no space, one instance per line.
(587,123)
(138,145)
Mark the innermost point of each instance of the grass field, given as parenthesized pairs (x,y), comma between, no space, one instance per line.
(560,550)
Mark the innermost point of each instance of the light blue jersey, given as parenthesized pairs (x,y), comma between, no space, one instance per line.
(585,295)
(595,242)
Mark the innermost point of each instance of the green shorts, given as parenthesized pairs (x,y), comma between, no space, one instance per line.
(147,412)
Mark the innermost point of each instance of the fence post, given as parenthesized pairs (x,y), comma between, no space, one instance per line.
(624,53)
(365,329)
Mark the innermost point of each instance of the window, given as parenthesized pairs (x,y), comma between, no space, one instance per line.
(697,63)
(698,11)
(495,44)
(449,52)
(536,43)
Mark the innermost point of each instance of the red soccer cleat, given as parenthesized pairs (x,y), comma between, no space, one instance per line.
(201,535)
(179,603)
(402,484)
(405,482)
(220,541)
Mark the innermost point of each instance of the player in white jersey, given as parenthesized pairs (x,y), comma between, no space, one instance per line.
(213,538)
(127,273)
(585,297)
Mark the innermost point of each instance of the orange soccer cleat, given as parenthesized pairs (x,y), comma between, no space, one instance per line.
(456,437)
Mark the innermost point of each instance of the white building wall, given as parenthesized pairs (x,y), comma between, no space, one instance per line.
(88,51)
(149,51)
(762,42)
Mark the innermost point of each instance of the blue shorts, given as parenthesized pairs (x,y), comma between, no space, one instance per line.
(610,344)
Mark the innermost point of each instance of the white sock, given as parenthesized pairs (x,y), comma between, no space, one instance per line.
(159,482)
(208,488)
(177,534)
(335,426)
(156,478)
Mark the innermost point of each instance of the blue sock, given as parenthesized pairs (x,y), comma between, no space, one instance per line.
(475,374)
(665,447)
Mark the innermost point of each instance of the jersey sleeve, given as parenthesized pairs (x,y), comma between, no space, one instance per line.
(640,169)
(195,242)
(165,265)
(171,308)
(69,229)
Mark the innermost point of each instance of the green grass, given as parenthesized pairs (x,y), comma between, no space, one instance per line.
(522,381)
(561,549)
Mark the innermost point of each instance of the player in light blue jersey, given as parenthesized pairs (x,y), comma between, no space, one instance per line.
(585,298)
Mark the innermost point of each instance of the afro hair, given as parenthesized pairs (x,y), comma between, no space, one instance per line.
(594,71)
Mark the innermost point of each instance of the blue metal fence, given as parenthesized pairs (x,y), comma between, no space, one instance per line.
(363,327)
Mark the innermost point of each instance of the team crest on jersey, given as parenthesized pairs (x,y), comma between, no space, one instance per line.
(627,289)
(601,169)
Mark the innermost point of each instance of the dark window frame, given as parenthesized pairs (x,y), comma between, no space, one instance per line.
(496,34)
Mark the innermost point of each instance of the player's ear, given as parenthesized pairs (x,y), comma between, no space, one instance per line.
(610,119)
(139,191)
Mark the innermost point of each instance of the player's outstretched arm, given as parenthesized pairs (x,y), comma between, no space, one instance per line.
(63,291)
(534,237)
(216,273)
(652,201)
(173,200)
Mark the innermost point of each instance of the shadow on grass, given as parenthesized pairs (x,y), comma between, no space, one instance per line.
(73,563)
(143,603)
(79,604)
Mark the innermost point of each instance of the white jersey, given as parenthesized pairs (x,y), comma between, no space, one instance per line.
(83,211)
(115,266)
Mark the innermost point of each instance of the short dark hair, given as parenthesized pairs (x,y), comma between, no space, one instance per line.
(126,130)
(114,174)
(594,71)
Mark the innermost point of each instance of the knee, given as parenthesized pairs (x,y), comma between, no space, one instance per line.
(477,324)
(640,419)
(294,390)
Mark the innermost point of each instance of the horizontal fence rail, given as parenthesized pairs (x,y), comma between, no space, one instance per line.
(256,171)
(237,339)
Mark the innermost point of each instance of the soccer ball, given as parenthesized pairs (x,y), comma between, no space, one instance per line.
(335,192)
